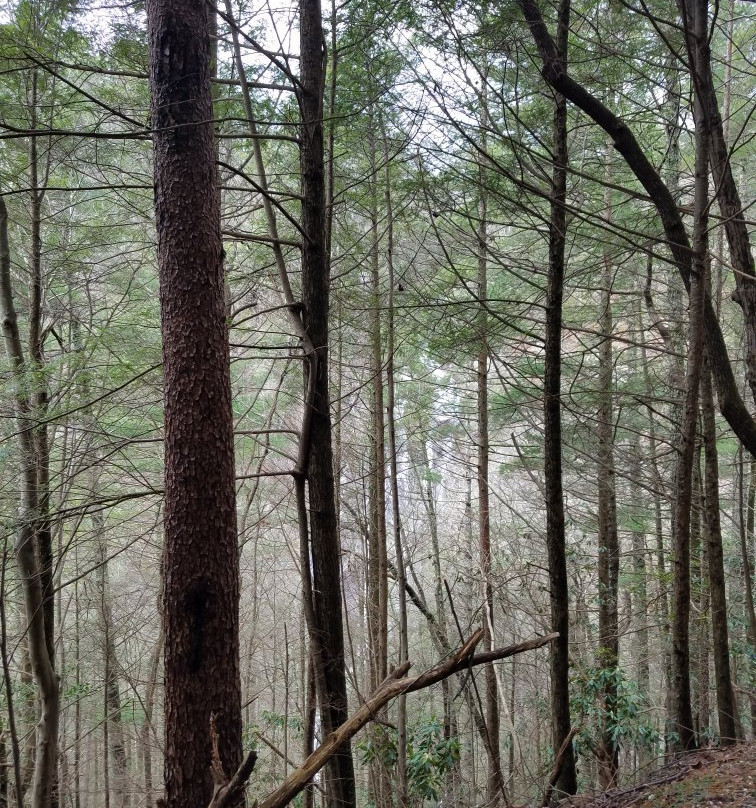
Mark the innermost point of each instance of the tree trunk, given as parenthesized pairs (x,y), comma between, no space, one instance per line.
(401,571)
(77,739)
(15,764)
(325,550)
(146,730)
(200,554)
(493,747)
(27,556)
(699,596)
(747,535)
(377,577)
(640,648)
(555,527)
(554,73)
(422,466)
(607,656)
(113,721)
(726,708)
(686,452)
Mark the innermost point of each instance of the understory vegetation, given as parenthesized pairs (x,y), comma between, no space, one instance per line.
(477,349)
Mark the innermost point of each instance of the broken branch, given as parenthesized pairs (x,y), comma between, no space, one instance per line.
(393,686)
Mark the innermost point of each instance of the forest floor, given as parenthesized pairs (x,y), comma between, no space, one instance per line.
(709,778)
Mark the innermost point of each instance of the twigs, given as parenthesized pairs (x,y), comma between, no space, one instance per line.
(227,792)
(557,768)
(394,685)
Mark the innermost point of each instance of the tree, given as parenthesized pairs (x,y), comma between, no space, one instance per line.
(325,552)
(552,404)
(200,554)
(471,262)
(608,541)
(730,401)
(27,547)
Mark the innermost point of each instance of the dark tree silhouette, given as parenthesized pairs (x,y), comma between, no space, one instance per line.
(200,556)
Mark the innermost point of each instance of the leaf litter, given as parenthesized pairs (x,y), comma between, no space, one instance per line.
(708,778)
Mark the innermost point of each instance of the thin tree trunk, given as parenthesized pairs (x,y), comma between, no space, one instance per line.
(747,536)
(328,631)
(401,572)
(640,589)
(421,462)
(377,577)
(493,748)
(9,706)
(555,522)
(146,730)
(4,768)
(607,656)
(309,724)
(673,340)
(113,722)
(726,708)
(684,472)
(699,596)
(39,392)
(726,102)
(378,470)
(45,767)
(77,683)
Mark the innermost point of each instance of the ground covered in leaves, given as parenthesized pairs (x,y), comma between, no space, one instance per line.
(709,778)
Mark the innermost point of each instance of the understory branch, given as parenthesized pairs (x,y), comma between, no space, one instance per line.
(395,684)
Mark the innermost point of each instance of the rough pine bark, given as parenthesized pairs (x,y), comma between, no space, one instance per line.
(200,556)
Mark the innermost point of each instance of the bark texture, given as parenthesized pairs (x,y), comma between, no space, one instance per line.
(200,557)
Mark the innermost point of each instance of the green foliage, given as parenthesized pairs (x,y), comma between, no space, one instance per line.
(430,756)
(271,722)
(132,712)
(74,692)
(625,717)
(279,720)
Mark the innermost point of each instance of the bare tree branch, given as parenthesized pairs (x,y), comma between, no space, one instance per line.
(394,685)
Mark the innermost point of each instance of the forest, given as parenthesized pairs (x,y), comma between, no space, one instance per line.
(377,399)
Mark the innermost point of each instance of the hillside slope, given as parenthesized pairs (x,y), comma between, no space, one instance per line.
(709,778)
